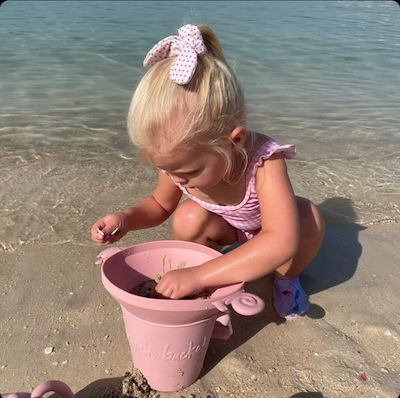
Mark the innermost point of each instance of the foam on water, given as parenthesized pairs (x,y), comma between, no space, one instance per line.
(321,75)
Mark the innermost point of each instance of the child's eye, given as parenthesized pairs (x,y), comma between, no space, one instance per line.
(192,173)
(186,174)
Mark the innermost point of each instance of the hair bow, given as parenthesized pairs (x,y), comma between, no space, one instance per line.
(186,46)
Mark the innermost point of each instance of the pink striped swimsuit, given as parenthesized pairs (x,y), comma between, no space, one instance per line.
(246,216)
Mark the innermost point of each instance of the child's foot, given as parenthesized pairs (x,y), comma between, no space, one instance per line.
(289,298)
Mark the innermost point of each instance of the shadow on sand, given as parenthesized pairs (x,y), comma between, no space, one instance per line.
(337,259)
(335,263)
(103,388)
(244,327)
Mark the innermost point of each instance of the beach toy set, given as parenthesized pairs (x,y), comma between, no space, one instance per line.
(168,338)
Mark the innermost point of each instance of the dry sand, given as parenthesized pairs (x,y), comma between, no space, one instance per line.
(347,346)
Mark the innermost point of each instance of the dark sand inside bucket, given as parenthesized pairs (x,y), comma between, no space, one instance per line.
(148,289)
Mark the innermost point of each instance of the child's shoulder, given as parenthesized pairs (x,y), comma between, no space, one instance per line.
(255,142)
(266,147)
(263,149)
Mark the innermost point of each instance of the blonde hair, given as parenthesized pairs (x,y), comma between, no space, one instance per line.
(201,114)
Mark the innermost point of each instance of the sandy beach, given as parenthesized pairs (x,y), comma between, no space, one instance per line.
(319,75)
(347,346)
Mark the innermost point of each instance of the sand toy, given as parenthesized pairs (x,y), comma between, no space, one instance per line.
(169,338)
(49,386)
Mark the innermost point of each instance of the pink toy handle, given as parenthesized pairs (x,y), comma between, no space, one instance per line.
(243,303)
(53,385)
(247,304)
(49,386)
(107,253)
(224,330)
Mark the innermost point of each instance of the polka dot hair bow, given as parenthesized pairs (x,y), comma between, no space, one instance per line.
(186,46)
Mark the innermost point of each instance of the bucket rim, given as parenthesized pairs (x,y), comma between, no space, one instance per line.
(211,318)
(164,305)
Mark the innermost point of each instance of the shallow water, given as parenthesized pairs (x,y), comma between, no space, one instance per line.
(322,75)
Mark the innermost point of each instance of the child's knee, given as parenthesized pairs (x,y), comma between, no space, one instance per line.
(187,220)
(312,225)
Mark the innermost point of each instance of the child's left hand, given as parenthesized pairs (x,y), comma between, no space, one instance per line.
(180,283)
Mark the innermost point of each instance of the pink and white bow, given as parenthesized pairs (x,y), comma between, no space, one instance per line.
(187,45)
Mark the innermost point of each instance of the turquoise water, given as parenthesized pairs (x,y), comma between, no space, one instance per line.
(323,75)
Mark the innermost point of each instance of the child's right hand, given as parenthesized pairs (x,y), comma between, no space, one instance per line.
(108,229)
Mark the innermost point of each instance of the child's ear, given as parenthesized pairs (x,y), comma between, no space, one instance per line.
(238,137)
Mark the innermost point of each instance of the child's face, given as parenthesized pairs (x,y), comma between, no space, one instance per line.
(193,168)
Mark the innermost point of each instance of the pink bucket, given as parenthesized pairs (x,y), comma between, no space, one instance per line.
(169,338)
(169,356)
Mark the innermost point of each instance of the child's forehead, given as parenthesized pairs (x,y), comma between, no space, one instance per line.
(177,159)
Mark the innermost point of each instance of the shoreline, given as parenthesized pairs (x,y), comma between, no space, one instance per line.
(51,199)
(53,297)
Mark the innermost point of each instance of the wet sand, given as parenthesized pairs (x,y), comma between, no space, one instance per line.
(347,346)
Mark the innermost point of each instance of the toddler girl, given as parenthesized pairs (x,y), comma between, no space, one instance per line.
(187,118)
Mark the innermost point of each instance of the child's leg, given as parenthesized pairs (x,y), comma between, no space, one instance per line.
(193,223)
(312,229)
(289,297)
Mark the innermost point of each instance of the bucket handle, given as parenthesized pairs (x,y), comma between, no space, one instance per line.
(243,303)
(224,330)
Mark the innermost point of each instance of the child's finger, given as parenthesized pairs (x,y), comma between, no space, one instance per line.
(114,231)
(164,288)
(97,225)
(100,233)
(97,235)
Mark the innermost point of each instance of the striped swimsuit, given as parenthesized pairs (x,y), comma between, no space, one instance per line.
(246,216)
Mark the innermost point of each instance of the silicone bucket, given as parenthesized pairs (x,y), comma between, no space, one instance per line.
(169,338)
(169,356)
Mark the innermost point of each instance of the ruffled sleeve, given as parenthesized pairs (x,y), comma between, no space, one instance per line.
(266,150)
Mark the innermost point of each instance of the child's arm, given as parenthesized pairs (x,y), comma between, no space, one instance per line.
(150,212)
(275,244)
